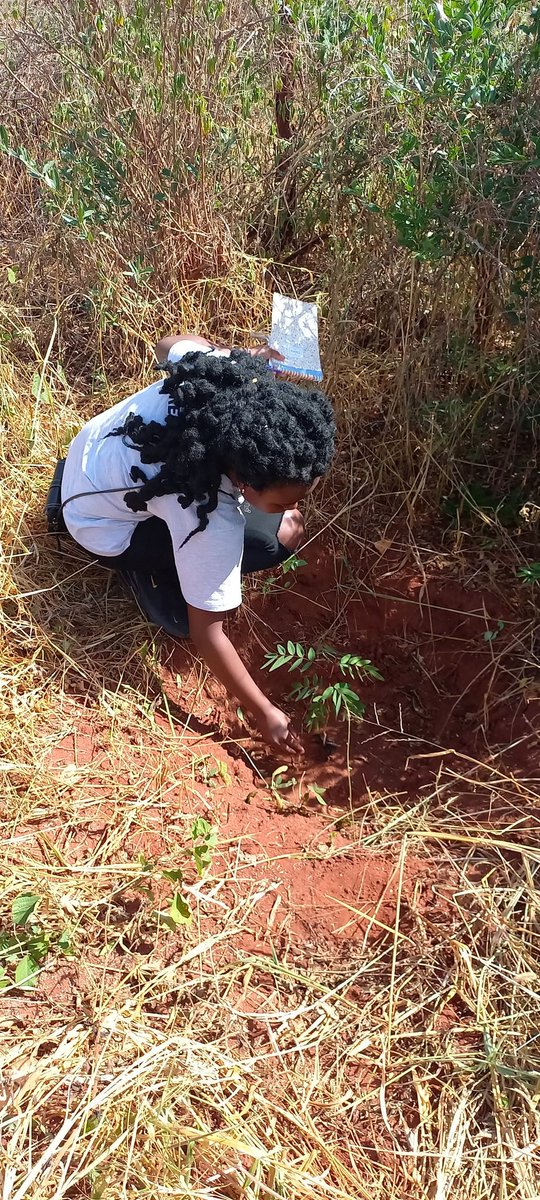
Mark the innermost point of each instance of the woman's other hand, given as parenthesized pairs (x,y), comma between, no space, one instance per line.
(266,353)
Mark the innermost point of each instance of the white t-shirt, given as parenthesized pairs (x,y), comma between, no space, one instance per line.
(209,565)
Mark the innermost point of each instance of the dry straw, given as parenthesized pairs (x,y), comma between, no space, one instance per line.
(182,1065)
(157,1064)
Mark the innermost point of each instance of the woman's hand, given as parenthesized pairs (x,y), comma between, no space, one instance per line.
(265,352)
(275,727)
(165,345)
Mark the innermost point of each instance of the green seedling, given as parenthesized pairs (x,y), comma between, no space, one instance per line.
(212,771)
(203,843)
(179,910)
(204,837)
(293,563)
(317,793)
(530,574)
(23,952)
(280,784)
(491,634)
(324,700)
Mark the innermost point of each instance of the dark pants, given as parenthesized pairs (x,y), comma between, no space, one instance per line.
(151,550)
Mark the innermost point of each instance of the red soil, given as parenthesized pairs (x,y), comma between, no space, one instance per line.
(445,702)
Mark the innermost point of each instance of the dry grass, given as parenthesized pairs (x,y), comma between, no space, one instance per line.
(157,1063)
(160,1064)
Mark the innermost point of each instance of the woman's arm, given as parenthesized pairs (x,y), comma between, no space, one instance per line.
(219,654)
(166,344)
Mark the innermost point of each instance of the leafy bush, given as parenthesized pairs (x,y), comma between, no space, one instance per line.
(394,153)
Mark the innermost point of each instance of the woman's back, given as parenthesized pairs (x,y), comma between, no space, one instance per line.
(208,566)
(96,462)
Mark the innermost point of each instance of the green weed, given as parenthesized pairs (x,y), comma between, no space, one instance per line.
(23,951)
(204,837)
(211,771)
(281,783)
(490,634)
(204,841)
(530,573)
(293,563)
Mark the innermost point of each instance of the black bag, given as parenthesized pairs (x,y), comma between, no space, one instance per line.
(53,507)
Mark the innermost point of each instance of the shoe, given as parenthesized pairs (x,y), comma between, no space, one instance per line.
(160,601)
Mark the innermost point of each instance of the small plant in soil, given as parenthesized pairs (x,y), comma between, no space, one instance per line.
(24,950)
(291,564)
(211,771)
(490,634)
(325,699)
(203,843)
(530,573)
(280,784)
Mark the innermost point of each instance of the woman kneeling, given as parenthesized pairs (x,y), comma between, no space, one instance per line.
(193,481)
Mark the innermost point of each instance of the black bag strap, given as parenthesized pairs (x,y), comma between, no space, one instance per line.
(55,505)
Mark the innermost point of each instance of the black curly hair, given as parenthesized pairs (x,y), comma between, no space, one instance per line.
(229,415)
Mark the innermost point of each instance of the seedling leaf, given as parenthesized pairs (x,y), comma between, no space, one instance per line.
(179,911)
(23,907)
(26,971)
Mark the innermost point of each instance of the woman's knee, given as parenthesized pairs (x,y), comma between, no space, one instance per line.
(292,530)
